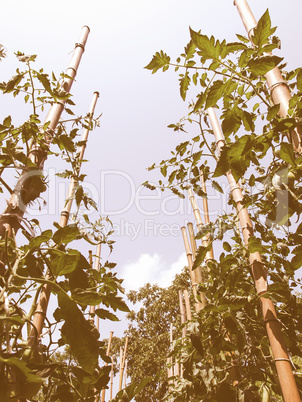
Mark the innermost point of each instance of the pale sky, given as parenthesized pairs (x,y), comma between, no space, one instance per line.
(136,106)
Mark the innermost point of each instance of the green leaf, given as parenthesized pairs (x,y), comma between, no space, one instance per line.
(200,255)
(7,121)
(263,30)
(12,83)
(106,315)
(215,92)
(163,170)
(159,60)
(299,81)
(254,245)
(205,45)
(21,369)
(297,259)
(66,235)
(272,112)
(190,50)
(216,186)
(86,297)
(222,164)
(43,78)
(184,85)
(200,101)
(263,64)
(66,263)
(43,238)
(78,333)
(231,122)
(287,153)
(227,246)
(242,38)
(232,48)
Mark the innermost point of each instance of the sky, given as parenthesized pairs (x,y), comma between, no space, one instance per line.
(136,107)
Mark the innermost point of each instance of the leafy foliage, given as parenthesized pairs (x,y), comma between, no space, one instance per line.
(229,333)
(29,363)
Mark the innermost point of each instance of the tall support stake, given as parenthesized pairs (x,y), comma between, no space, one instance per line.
(106,364)
(111,379)
(279,351)
(199,223)
(73,183)
(40,313)
(277,86)
(183,321)
(188,305)
(122,364)
(198,272)
(198,304)
(182,314)
(10,219)
(96,267)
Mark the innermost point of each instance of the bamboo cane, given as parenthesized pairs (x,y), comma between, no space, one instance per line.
(198,272)
(279,351)
(10,219)
(277,86)
(197,215)
(182,313)
(40,313)
(73,183)
(188,306)
(125,374)
(233,370)
(106,364)
(111,378)
(183,321)
(122,364)
(171,360)
(198,304)
(96,267)
(205,199)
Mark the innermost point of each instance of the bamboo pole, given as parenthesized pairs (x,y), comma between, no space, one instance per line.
(188,306)
(106,364)
(122,364)
(23,194)
(197,215)
(125,374)
(73,183)
(183,321)
(198,272)
(279,351)
(96,267)
(198,304)
(277,86)
(40,313)
(205,199)
(182,313)
(111,379)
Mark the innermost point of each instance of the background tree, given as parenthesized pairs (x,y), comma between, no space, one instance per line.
(149,338)
(231,77)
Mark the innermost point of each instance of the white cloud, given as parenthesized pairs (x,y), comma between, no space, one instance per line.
(152,269)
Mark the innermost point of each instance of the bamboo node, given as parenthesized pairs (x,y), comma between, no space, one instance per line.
(276,84)
(71,68)
(40,312)
(65,213)
(282,359)
(271,319)
(77,44)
